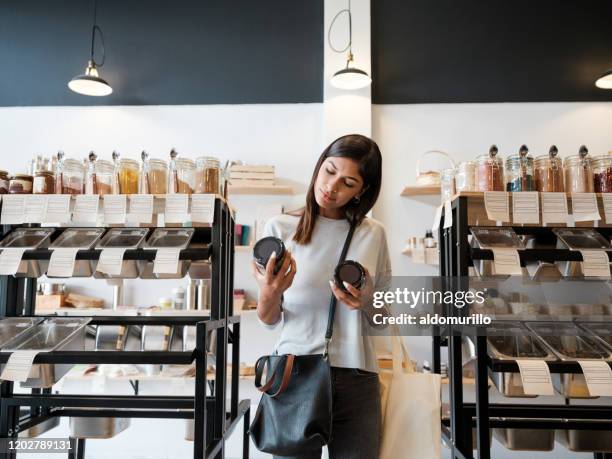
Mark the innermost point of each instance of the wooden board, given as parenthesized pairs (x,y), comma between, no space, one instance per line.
(275,189)
(421,190)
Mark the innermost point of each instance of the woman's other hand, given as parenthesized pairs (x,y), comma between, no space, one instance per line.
(355,298)
(272,286)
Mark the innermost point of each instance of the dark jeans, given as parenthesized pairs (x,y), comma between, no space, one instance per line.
(355,417)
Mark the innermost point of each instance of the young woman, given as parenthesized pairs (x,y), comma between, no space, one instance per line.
(344,186)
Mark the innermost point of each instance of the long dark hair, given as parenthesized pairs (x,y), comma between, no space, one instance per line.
(361,149)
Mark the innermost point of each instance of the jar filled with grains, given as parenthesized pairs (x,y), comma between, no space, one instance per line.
(465,176)
(602,174)
(4,182)
(208,175)
(490,171)
(578,172)
(157,176)
(519,171)
(129,173)
(549,172)
(72,176)
(184,176)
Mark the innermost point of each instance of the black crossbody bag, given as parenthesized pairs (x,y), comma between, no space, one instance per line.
(295,411)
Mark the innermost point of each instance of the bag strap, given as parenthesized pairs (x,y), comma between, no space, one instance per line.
(333,301)
(287,369)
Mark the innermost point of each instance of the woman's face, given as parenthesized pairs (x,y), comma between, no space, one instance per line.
(337,183)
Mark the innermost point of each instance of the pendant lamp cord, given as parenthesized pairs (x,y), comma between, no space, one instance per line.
(93,37)
(349,46)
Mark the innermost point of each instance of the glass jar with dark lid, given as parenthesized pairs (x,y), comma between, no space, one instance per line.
(519,171)
(351,272)
(44,182)
(4,182)
(602,174)
(549,172)
(263,250)
(490,171)
(578,172)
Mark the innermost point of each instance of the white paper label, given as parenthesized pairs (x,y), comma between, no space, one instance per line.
(448,214)
(115,208)
(86,208)
(584,207)
(166,261)
(526,207)
(13,209)
(58,208)
(535,377)
(177,208)
(595,263)
(9,261)
(598,377)
(496,205)
(554,208)
(18,366)
(35,205)
(437,218)
(506,261)
(141,208)
(110,261)
(61,263)
(607,204)
(202,208)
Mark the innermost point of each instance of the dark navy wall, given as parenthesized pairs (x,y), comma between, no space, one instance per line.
(427,51)
(164,51)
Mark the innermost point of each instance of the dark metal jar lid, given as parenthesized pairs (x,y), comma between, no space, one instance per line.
(351,272)
(265,246)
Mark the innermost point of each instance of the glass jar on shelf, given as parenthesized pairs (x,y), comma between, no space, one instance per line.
(100,178)
(182,176)
(578,172)
(447,183)
(21,184)
(157,176)
(72,176)
(44,182)
(129,173)
(602,174)
(519,171)
(549,172)
(4,182)
(465,176)
(208,175)
(490,171)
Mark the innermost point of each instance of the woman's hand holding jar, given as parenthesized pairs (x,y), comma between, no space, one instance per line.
(355,298)
(272,286)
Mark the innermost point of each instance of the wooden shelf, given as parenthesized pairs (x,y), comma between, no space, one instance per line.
(414,190)
(426,256)
(254,190)
(243,248)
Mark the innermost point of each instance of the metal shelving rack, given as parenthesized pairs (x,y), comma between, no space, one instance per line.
(456,257)
(213,422)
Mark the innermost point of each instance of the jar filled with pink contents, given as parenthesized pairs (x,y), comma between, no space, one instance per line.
(490,171)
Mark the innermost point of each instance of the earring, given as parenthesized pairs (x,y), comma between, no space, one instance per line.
(356,199)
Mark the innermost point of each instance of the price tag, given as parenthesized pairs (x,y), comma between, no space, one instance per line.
(18,366)
(61,263)
(554,208)
(598,377)
(166,261)
(35,206)
(595,263)
(10,260)
(496,205)
(526,207)
(115,208)
(177,208)
(110,261)
(607,204)
(437,218)
(202,208)
(448,214)
(58,208)
(535,377)
(13,209)
(141,208)
(86,208)
(584,207)
(506,261)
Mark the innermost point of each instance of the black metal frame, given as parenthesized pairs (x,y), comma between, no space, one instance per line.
(455,259)
(213,424)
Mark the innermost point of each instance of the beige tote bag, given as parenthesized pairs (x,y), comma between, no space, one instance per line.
(411,409)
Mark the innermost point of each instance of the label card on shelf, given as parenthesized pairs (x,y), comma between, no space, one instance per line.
(526,207)
(584,207)
(437,218)
(35,205)
(166,261)
(535,376)
(115,208)
(86,208)
(497,206)
(506,261)
(448,214)
(598,377)
(177,208)
(607,204)
(13,209)
(554,208)
(110,261)
(141,208)
(10,260)
(202,208)
(58,208)
(18,366)
(61,263)
(595,263)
